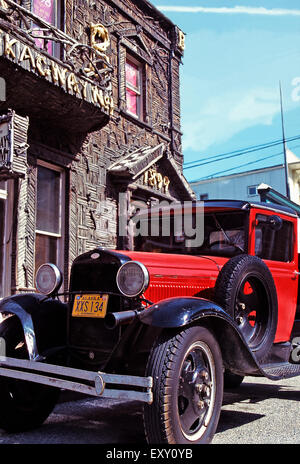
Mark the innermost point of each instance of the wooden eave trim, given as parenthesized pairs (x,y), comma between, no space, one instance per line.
(146,27)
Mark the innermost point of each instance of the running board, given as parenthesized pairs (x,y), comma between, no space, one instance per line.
(88,382)
(280,371)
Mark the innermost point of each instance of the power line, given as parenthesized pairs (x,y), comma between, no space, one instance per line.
(235,153)
(246,164)
(241,166)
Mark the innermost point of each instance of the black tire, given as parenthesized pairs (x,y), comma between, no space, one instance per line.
(23,405)
(187,371)
(245,289)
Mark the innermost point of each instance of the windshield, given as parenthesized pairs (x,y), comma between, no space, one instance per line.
(223,234)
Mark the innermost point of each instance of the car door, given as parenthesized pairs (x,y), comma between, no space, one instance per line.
(274,240)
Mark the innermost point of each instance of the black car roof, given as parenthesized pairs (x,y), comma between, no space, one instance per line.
(230,204)
(239,204)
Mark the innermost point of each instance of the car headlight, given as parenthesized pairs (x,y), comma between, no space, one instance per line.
(132,279)
(48,279)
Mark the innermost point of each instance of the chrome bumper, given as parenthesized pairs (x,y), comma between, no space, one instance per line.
(91,383)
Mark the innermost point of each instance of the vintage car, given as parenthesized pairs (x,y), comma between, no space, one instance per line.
(166,323)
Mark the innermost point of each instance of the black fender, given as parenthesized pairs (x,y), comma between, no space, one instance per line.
(43,321)
(179,312)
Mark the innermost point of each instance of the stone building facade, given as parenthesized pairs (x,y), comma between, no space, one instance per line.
(89,110)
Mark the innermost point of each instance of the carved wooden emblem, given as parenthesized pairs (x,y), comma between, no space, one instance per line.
(99,38)
(156,180)
(181,40)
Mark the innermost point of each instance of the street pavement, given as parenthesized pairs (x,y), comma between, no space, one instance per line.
(261,411)
(258,412)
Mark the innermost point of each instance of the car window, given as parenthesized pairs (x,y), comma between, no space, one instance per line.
(272,244)
(224,234)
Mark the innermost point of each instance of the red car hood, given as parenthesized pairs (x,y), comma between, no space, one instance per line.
(171,263)
(178,275)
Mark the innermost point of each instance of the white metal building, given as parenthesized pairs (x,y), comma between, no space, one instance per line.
(243,186)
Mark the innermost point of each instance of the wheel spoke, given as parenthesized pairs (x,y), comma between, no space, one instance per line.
(187,382)
(197,359)
(188,418)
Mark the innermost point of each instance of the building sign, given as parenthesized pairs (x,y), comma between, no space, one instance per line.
(6,141)
(155,179)
(32,60)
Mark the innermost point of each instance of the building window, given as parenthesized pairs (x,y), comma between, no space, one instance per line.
(50,11)
(49,216)
(252,190)
(203,196)
(134,92)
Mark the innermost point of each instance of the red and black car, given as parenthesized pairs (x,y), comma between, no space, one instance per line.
(166,323)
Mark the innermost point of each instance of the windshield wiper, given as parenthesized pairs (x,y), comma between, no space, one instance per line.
(230,242)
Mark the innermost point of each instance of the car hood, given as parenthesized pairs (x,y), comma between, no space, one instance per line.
(173,264)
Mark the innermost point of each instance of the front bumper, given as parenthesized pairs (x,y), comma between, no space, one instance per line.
(97,384)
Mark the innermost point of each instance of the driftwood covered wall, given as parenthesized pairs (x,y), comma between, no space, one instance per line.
(84,136)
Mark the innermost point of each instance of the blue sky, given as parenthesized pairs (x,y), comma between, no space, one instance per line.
(236,54)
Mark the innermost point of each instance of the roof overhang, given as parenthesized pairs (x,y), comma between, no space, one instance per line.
(132,166)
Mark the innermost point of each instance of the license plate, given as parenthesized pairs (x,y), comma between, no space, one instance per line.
(90,306)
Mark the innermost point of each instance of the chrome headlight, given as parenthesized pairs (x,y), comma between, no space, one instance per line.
(48,279)
(132,279)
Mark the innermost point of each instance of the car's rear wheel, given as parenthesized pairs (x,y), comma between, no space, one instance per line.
(187,371)
(23,405)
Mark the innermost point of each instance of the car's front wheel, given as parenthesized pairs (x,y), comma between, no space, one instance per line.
(23,405)
(187,372)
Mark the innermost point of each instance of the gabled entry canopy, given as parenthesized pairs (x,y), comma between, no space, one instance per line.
(151,170)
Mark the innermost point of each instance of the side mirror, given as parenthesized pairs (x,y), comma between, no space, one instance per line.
(275,222)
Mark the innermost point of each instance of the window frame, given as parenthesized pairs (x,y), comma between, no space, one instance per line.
(6,194)
(139,91)
(59,23)
(288,243)
(60,236)
(252,194)
(201,195)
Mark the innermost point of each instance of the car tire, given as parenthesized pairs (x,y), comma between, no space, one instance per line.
(245,289)
(187,372)
(23,405)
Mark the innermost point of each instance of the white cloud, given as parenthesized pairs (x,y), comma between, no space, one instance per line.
(230,84)
(232,10)
(259,106)
(222,117)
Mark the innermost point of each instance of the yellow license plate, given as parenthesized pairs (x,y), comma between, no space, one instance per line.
(90,306)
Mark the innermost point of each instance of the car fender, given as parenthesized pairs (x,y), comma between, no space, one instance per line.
(39,316)
(179,312)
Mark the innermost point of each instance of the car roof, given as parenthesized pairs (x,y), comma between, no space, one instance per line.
(231,205)
(244,205)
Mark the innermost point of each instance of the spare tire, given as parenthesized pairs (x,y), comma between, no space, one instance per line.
(245,289)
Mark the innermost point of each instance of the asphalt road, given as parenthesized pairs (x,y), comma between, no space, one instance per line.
(258,412)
